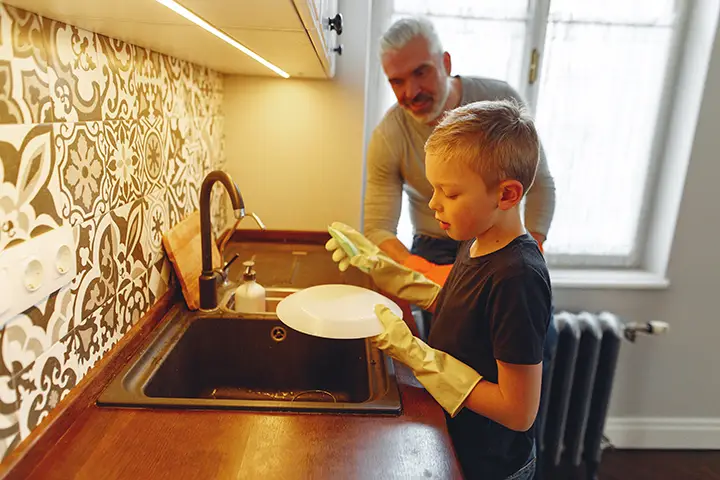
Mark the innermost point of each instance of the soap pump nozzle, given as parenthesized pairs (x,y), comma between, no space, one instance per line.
(249,273)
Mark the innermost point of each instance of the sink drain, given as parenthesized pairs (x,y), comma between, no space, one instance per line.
(315,395)
(278,334)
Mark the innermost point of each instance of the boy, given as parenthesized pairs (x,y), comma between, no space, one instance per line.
(486,344)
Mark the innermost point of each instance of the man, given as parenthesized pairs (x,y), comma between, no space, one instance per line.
(419,72)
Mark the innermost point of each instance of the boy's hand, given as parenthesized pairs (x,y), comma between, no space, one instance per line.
(346,243)
(446,378)
(350,247)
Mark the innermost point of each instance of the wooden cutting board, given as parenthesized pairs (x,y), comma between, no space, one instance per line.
(183,246)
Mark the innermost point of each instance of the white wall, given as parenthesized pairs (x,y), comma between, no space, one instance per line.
(295,147)
(667,392)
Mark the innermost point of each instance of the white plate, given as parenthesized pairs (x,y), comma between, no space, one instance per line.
(334,311)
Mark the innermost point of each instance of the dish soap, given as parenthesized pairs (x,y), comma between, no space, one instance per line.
(250,295)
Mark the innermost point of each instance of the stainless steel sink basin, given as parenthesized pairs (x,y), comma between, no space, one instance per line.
(226,360)
(273,296)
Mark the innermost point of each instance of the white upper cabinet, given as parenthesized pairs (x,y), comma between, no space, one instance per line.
(324,25)
(297,36)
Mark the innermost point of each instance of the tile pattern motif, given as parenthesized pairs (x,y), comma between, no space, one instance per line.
(114,140)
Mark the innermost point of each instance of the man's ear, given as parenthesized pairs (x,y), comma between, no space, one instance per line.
(447,63)
(510,194)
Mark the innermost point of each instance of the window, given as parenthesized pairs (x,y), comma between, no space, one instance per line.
(599,100)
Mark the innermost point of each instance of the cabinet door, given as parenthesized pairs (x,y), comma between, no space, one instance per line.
(314,15)
(330,37)
(318,7)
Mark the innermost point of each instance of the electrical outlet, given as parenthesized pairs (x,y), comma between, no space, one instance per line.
(32,270)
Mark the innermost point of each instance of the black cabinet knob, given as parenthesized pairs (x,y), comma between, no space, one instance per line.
(336,23)
(338,49)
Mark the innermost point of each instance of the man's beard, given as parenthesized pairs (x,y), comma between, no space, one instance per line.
(438,107)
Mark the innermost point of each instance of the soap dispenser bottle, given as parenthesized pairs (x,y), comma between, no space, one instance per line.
(250,295)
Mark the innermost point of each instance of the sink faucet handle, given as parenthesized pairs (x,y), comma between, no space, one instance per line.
(223,271)
(227,265)
(257,220)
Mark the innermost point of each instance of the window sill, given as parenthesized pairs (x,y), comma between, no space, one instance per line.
(608,279)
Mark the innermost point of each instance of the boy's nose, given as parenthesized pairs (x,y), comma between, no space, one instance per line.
(434,204)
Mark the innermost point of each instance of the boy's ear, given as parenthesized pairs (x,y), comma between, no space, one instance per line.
(510,194)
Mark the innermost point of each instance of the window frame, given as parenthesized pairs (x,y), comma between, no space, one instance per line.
(537,22)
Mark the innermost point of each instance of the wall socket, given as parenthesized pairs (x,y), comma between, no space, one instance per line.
(32,270)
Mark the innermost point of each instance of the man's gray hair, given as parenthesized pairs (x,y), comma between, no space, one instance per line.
(405,29)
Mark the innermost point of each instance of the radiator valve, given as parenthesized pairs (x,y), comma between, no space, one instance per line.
(653,327)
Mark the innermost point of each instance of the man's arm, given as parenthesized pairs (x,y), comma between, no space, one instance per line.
(540,199)
(395,249)
(383,197)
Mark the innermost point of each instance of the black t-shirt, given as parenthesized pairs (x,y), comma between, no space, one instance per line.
(493,307)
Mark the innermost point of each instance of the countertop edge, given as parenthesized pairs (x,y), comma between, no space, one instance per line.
(30,451)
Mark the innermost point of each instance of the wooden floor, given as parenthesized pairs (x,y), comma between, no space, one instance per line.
(660,465)
(649,465)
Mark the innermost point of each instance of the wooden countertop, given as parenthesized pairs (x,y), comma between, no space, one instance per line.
(84,441)
(190,444)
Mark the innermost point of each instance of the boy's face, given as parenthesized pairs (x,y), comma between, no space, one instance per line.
(461,201)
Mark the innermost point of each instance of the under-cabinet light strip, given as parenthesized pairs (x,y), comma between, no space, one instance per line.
(180,10)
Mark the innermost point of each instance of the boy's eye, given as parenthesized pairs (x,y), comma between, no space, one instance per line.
(451,195)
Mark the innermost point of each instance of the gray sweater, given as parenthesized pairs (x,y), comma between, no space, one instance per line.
(396,160)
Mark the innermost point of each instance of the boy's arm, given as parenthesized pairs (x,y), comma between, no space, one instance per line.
(518,316)
(514,400)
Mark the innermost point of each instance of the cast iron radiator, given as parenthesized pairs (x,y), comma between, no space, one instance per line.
(571,422)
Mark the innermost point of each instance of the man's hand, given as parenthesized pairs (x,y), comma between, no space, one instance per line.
(540,239)
(436,273)
(395,249)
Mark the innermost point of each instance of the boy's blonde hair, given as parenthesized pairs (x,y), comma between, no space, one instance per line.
(496,139)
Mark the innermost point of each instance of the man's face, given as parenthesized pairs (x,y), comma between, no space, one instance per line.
(462,203)
(419,79)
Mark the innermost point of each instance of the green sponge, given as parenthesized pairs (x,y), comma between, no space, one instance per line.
(348,247)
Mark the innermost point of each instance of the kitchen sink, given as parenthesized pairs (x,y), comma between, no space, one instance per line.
(273,296)
(227,360)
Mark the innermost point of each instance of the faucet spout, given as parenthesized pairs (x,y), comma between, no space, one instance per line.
(208,292)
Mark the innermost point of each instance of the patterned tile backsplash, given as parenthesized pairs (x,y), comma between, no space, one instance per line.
(114,140)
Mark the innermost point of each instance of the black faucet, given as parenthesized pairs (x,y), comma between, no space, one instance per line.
(208,278)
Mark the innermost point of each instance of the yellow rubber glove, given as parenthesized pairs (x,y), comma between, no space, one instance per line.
(445,377)
(350,247)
